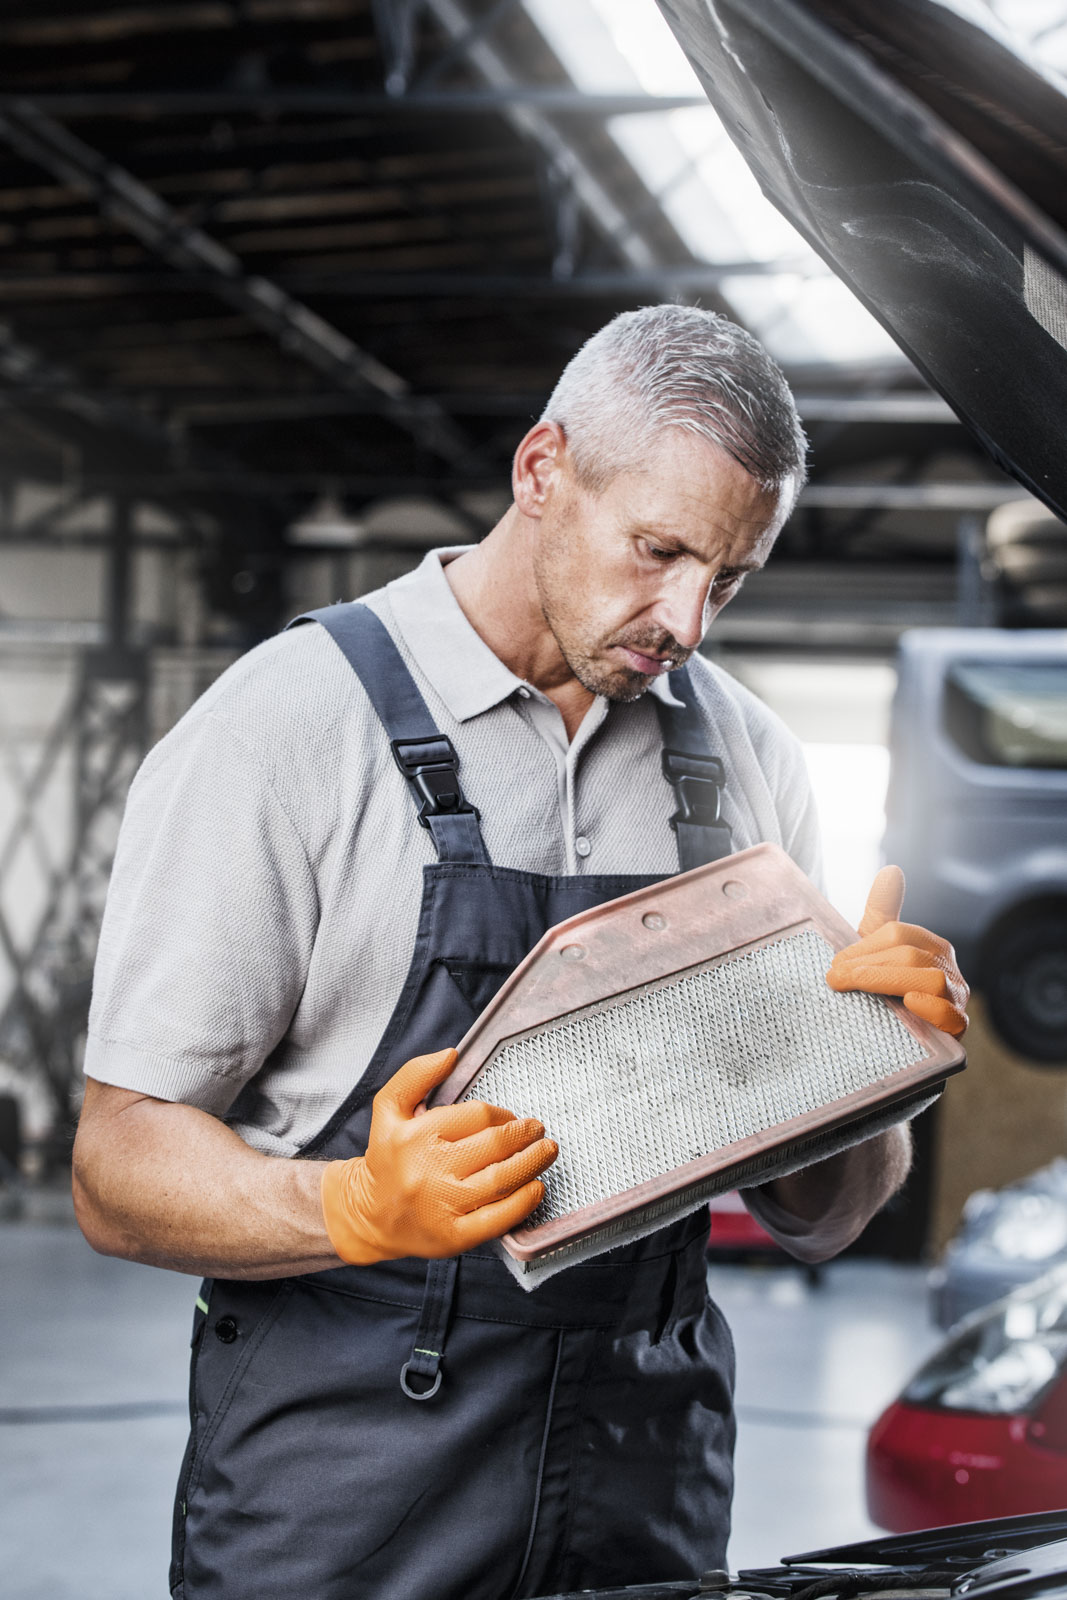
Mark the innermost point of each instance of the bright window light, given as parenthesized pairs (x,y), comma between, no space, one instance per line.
(704,186)
(849,783)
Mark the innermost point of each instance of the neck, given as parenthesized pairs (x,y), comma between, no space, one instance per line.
(495,585)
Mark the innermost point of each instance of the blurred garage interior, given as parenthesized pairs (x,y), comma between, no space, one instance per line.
(282,284)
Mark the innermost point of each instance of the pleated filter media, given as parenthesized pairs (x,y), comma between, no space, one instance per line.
(682,1041)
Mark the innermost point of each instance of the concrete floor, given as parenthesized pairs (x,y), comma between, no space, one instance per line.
(92,1417)
(815,1367)
(92,1408)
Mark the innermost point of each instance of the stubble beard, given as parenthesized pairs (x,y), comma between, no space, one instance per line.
(585,656)
(586,659)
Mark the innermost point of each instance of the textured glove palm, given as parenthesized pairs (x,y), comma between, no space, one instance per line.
(434,1183)
(900,958)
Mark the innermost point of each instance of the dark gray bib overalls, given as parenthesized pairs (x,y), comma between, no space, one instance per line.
(414,1431)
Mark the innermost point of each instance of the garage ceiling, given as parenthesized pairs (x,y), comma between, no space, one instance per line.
(255,249)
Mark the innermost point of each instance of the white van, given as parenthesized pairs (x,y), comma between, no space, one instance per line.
(977,816)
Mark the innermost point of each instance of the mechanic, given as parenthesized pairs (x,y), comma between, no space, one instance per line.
(378,1409)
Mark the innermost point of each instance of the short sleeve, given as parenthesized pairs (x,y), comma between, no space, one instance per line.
(209,926)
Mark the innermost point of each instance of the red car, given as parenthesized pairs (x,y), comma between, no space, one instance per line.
(981,1430)
(735,1231)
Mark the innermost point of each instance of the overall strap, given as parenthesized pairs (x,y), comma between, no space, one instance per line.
(426,757)
(696,777)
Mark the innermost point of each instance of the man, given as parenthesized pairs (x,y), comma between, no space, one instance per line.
(378,1409)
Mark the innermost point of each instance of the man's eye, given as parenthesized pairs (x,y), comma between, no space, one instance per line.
(728,580)
(658,554)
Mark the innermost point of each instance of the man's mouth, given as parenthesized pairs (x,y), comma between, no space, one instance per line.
(648,666)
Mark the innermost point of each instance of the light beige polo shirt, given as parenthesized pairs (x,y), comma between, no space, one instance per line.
(263,906)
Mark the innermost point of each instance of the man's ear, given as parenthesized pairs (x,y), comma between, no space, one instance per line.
(537,464)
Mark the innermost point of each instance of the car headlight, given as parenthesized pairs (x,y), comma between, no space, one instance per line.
(1028,1227)
(1002,1358)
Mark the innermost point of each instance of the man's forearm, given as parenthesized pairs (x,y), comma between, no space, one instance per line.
(174,1187)
(828,1204)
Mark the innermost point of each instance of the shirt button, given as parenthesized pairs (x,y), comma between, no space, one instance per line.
(524,693)
(582,845)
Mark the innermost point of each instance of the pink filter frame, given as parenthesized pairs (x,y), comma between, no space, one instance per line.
(693,920)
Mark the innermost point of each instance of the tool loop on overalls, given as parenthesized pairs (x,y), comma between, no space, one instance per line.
(424,1363)
(420,1394)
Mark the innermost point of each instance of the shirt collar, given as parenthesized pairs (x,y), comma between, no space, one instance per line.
(464,671)
(455,658)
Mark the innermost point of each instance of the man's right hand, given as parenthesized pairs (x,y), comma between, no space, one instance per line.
(433,1184)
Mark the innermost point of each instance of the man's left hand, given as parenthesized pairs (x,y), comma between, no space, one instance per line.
(898,958)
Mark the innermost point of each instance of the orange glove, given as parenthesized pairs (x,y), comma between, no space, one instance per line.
(435,1183)
(898,958)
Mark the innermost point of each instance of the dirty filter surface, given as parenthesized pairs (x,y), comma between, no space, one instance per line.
(638,1085)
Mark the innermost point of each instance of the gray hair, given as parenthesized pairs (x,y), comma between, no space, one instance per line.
(674,366)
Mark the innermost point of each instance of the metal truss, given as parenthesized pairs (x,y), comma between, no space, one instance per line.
(99,738)
(224,410)
(145,105)
(965,495)
(479,29)
(395,24)
(34,374)
(635,247)
(298,330)
(900,407)
(36,377)
(972,496)
(376,285)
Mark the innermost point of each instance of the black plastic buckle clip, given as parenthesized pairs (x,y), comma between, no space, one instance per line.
(697,782)
(431,766)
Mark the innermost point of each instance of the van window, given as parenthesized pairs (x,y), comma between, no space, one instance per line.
(1008,715)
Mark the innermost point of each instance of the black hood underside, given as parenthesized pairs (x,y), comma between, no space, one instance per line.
(926,162)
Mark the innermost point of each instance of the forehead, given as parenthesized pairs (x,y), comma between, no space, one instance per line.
(690,489)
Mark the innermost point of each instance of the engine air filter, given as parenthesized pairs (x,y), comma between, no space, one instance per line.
(682,1041)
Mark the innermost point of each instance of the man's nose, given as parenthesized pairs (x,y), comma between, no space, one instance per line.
(682,612)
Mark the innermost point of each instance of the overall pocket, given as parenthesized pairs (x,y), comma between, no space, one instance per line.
(229,1336)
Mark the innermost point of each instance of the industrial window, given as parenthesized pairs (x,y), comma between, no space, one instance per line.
(1009,714)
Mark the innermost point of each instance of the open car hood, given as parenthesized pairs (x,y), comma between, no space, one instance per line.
(1009,1558)
(926,161)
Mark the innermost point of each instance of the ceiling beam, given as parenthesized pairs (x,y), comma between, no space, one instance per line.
(480,28)
(926,409)
(919,497)
(534,123)
(58,539)
(152,104)
(297,329)
(34,375)
(910,496)
(36,378)
(357,285)
(209,409)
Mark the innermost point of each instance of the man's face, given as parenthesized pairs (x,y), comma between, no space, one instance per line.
(630,579)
